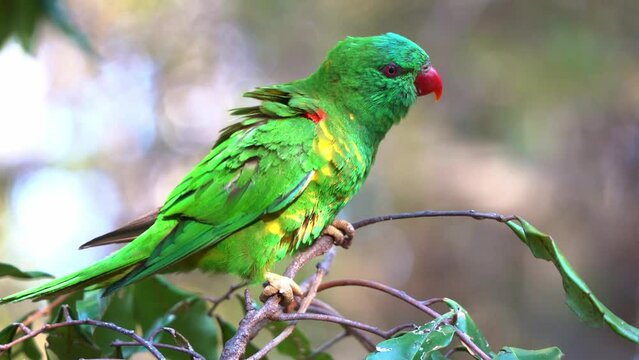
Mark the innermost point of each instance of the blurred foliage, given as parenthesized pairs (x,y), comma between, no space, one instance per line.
(21,18)
(28,349)
(12,271)
(148,306)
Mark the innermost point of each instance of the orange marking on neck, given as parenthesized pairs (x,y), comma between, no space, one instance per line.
(317,116)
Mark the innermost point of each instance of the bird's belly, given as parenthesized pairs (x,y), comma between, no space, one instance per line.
(250,251)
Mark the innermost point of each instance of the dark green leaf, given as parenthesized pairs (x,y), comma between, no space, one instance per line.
(56,11)
(297,345)
(436,355)
(28,349)
(26,14)
(322,356)
(153,298)
(228,331)
(422,343)
(117,309)
(511,353)
(467,325)
(578,296)
(190,318)
(6,23)
(12,271)
(70,342)
(70,301)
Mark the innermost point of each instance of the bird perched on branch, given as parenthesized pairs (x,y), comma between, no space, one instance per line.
(275,180)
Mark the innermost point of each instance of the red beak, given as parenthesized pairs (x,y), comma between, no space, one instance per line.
(428,81)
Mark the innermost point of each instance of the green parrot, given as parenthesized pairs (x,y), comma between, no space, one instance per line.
(275,180)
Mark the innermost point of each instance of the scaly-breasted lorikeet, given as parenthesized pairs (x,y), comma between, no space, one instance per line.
(274,180)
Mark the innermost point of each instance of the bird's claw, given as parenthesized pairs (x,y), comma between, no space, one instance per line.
(280,285)
(342,233)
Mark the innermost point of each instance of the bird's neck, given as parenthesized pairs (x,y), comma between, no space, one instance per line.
(352,110)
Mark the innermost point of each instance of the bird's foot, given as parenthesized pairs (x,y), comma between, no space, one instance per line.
(280,285)
(342,233)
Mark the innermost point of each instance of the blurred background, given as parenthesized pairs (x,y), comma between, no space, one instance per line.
(540,118)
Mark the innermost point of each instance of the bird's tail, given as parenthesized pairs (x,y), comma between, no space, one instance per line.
(102,273)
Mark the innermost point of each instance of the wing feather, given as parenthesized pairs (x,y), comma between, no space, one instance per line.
(126,233)
(257,171)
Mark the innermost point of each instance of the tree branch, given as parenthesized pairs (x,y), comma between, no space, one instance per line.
(320,307)
(71,322)
(192,353)
(322,269)
(255,319)
(410,300)
(435,213)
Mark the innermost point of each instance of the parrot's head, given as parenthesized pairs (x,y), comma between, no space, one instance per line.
(380,75)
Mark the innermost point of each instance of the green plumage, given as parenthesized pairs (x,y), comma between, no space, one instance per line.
(274,179)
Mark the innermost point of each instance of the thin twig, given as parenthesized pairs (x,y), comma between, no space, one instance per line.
(434,213)
(45,310)
(393,331)
(381,287)
(450,352)
(408,299)
(227,295)
(330,318)
(70,322)
(361,336)
(385,334)
(325,346)
(177,337)
(194,354)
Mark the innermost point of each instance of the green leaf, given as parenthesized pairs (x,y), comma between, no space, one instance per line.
(466,324)
(153,298)
(578,296)
(6,23)
(92,305)
(28,349)
(436,355)
(296,346)
(27,13)
(117,309)
(70,342)
(12,271)
(190,318)
(70,301)
(422,343)
(512,353)
(228,331)
(56,11)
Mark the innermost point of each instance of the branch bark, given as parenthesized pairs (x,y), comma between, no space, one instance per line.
(256,319)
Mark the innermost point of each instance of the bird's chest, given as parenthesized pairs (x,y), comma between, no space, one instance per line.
(343,168)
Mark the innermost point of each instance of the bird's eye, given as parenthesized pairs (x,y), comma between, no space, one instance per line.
(391,70)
